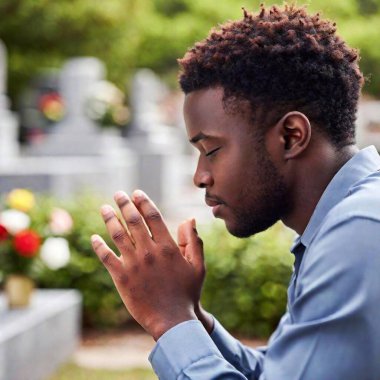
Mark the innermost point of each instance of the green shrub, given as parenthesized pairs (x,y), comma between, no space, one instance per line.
(247,279)
(102,306)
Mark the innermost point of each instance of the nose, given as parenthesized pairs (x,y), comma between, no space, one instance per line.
(202,176)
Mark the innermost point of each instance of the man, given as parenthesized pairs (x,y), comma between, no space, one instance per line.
(270,104)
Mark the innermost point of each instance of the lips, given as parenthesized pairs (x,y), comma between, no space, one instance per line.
(214,203)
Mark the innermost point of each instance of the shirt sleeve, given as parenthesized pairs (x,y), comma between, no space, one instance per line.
(186,351)
(247,360)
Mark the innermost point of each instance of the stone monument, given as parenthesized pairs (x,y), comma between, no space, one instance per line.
(159,148)
(368,124)
(76,134)
(9,147)
(77,154)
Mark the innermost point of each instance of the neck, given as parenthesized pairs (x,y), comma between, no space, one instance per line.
(316,172)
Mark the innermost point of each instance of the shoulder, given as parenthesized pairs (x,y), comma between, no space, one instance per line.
(359,208)
(347,244)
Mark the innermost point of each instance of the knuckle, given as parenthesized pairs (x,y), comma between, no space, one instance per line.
(122,202)
(142,201)
(106,258)
(153,215)
(167,250)
(97,246)
(148,257)
(133,220)
(119,236)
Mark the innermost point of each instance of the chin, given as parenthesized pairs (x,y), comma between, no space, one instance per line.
(244,230)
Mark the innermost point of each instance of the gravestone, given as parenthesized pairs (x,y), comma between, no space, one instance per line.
(159,148)
(77,154)
(36,340)
(76,134)
(146,93)
(368,124)
(9,146)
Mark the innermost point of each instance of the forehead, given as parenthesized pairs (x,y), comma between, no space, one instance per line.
(204,112)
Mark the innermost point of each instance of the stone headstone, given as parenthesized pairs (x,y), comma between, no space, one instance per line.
(146,93)
(3,76)
(368,124)
(35,341)
(77,154)
(76,134)
(9,146)
(158,147)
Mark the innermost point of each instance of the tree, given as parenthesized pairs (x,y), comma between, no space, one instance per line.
(127,34)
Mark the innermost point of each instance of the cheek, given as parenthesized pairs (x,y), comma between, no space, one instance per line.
(230,178)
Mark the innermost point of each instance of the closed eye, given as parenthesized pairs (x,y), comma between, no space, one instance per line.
(212,152)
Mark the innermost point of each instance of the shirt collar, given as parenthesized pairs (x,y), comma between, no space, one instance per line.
(362,164)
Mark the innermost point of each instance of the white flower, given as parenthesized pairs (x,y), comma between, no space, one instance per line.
(14,221)
(55,252)
(61,222)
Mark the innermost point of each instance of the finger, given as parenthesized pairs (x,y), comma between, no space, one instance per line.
(133,219)
(190,244)
(151,215)
(106,255)
(117,231)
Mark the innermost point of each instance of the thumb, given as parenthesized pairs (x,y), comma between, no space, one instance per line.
(190,244)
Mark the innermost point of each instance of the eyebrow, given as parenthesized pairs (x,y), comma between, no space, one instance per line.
(198,137)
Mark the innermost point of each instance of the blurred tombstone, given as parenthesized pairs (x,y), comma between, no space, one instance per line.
(76,134)
(147,92)
(159,147)
(36,340)
(40,107)
(77,154)
(9,146)
(368,124)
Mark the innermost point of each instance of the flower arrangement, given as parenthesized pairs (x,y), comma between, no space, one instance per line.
(106,105)
(51,106)
(24,241)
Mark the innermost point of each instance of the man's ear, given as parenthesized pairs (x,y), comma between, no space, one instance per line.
(295,131)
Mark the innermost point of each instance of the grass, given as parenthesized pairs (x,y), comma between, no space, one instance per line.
(73,372)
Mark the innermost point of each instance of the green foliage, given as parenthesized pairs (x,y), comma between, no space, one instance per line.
(102,304)
(73,371)
(247,279)
(150,33)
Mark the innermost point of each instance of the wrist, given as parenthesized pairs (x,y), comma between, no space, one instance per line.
(159,328)
(205,318)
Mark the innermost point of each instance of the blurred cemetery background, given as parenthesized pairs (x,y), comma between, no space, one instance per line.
(89,105)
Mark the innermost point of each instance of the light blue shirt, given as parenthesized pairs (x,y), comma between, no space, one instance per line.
(331,330)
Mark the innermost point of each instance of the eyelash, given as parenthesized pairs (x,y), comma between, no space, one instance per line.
(212,152)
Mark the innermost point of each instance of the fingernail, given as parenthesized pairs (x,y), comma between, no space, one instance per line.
(106,210)
(139,194)
(95,239)
(120,195)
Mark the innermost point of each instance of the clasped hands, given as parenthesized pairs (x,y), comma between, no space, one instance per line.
(159,281)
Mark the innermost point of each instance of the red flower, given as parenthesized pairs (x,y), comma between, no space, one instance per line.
(27,243)
(3,233)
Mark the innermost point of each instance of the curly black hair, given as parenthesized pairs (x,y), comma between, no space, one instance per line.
(281,60)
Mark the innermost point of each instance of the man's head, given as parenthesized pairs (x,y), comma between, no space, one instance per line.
(280,70)
(281,60)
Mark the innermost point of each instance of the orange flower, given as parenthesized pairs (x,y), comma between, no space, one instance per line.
(27,243)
